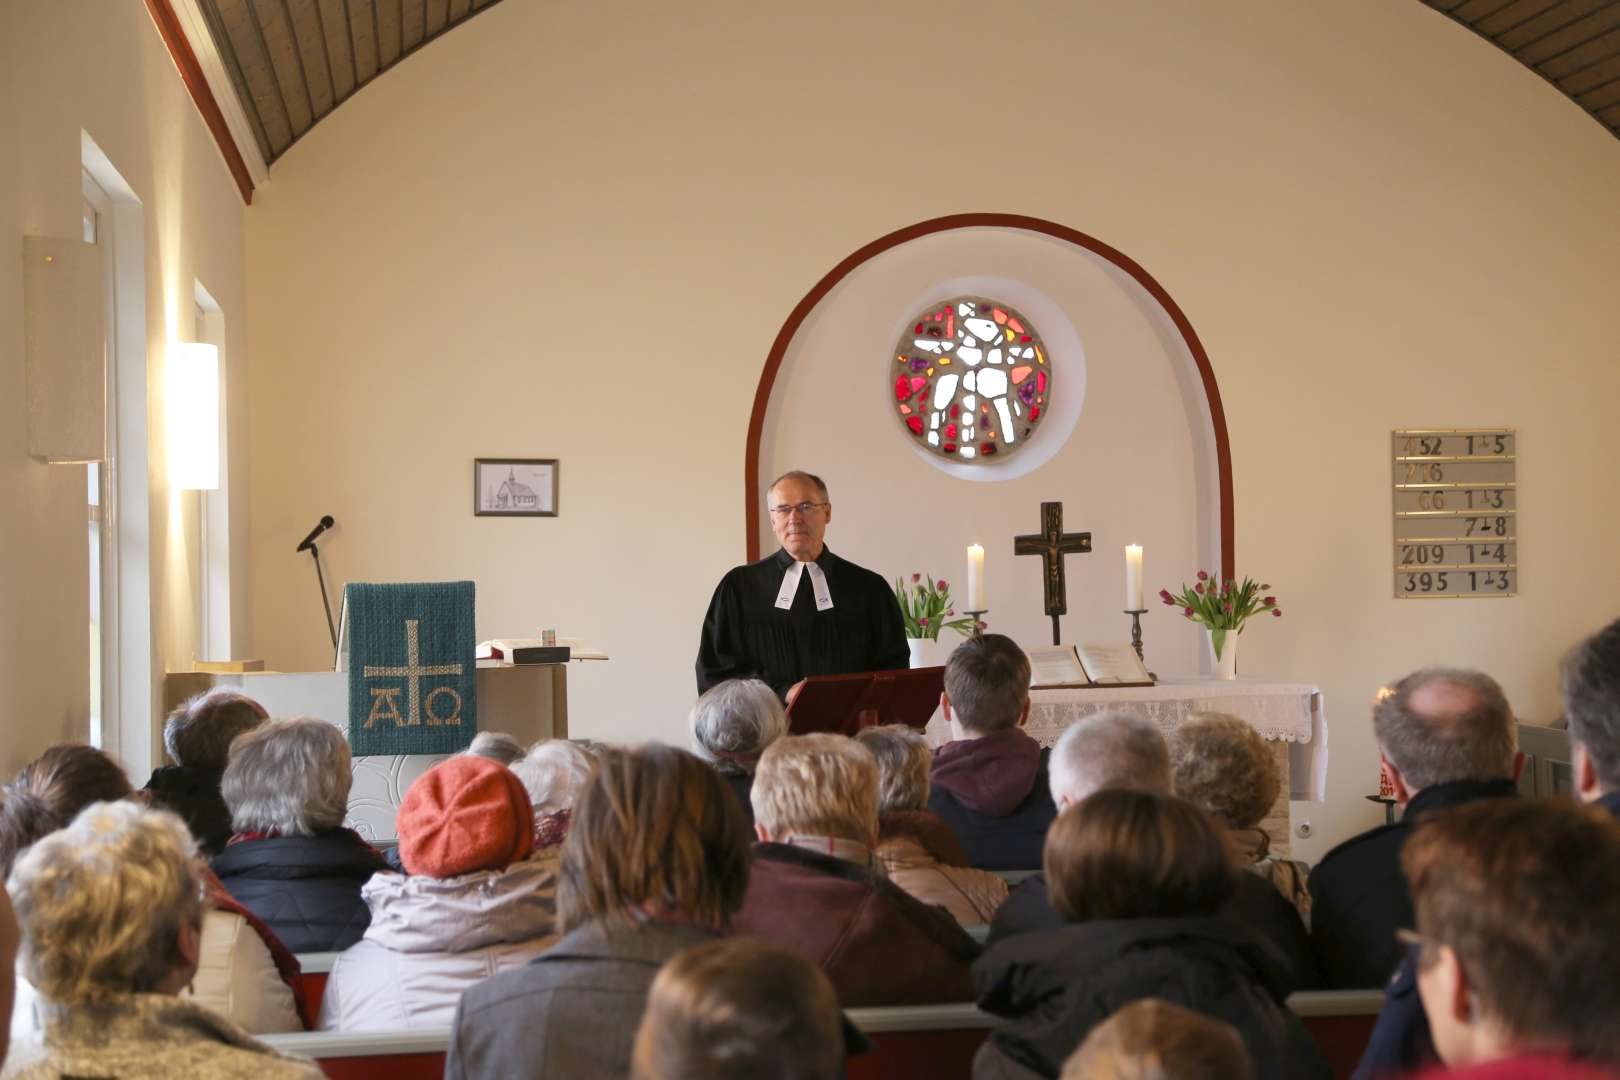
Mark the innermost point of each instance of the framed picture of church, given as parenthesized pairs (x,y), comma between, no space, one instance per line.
(515,487)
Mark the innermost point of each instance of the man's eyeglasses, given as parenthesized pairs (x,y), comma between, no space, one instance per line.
(803,508)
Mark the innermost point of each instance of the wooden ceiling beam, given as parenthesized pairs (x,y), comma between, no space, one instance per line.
(202,95)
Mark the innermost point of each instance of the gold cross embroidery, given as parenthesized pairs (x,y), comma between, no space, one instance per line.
(413,671)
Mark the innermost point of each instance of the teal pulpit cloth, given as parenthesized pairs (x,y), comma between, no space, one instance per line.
(411,667)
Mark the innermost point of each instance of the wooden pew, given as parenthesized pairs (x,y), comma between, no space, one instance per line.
(414,1054)
(936,1041)
(314,967)
(1341,1022)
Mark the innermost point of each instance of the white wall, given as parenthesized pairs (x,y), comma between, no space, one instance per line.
(572,230)
(99,67)
(1124,466)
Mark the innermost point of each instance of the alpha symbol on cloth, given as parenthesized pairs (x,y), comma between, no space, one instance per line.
(1051,544)
(385,699)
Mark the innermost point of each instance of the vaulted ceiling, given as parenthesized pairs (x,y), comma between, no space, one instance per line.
(1573,44)
(291,62)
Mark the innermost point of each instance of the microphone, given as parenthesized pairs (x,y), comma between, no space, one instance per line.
(309,541)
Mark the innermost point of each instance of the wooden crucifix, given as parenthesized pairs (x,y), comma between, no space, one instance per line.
(1051,544)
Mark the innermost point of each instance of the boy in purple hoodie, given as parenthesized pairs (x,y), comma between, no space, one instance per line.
(989,783)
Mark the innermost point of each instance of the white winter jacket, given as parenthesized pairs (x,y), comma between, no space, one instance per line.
(430,939)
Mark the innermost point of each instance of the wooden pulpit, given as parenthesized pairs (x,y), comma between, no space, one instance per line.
(845,704)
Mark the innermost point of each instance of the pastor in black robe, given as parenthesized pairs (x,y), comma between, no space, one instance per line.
(745,635)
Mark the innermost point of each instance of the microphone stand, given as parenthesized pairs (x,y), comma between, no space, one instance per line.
(326,605)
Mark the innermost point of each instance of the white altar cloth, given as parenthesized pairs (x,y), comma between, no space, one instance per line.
(1281,712)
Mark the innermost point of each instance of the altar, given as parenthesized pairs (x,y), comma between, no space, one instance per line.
(526,701)
(1288,715)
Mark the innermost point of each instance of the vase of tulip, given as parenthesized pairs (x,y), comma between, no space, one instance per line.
(1222,607)
(925,608)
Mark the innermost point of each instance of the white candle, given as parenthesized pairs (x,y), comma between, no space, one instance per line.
(1133,577)
(975,589)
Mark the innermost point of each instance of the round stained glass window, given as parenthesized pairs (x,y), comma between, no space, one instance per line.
(971,379)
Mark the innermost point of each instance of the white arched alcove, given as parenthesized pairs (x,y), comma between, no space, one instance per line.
(1130,447)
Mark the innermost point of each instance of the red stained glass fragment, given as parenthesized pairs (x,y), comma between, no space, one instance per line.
(950,324)
(918,382)
(905,410)
(1040,382)
(919,328)
(933,331)
(915,424)
(1026,339)
(986,449)
(902,388)
(950,431)
(1000,316)
(956,410)
(922,395)
(1034,412)
(1018,327)
(949,448)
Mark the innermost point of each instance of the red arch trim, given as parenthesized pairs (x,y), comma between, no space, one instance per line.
(801,311)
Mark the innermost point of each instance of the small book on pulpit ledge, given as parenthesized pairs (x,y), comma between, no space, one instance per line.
(523,651)
(1090,664)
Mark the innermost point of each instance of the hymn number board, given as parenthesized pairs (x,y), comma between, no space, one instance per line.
(1456,513)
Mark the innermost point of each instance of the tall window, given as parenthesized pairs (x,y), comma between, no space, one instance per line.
(95,210)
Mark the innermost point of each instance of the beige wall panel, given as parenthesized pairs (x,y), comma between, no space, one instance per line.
(63,301)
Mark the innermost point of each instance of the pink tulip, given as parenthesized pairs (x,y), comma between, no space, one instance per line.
(1270,601)
(916,578)
(1202,576)
(942,584)
(984,626)
(1164,594)
(922,622)
(1187,612)
(1277,612)
(1199,588)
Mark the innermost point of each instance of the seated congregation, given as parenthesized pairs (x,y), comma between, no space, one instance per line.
(573,909)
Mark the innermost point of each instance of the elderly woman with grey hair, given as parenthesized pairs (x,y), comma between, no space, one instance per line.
(291,862)
(917,849)
(732,724)
(111,910)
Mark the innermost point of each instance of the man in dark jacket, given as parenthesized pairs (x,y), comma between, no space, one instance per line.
(990,782)
(1118,750)
(814,885)
(1445,737)
(1401,1040)
(197,736)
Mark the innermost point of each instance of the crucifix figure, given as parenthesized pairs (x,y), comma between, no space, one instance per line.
(1051,544)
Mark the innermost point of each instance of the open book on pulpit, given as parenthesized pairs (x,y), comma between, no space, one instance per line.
(1086,665)
(845,704)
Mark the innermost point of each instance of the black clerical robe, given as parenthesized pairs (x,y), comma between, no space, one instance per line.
(745,635)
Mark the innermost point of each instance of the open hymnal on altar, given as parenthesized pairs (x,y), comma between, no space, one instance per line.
(1086,665)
